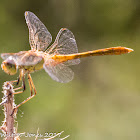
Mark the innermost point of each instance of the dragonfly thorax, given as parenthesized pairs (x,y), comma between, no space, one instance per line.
(32,68)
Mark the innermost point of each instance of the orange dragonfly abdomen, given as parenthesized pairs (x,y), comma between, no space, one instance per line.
(107,51)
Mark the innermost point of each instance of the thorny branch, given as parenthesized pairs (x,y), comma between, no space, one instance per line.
(8,102)
(8,127)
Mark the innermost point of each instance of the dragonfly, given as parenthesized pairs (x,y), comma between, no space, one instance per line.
(55,60)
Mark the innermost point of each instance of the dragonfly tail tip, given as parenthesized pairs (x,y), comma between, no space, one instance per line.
(130,50)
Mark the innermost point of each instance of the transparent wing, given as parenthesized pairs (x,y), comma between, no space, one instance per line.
(6,55)
(28,60)
(39,36)
(23,58)
(13,56)
(64,43)
(58,72)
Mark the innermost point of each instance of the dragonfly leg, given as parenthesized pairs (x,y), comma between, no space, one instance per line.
(31,81)
(21,78)
(15,81)
(18,79)
(22,87)
(31,84)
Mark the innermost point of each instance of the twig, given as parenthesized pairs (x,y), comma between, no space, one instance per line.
(8,127)
(8,102)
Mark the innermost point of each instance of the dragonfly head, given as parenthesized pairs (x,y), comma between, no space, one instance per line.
(9,66)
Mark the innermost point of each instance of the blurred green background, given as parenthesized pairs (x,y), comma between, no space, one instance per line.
(103,100)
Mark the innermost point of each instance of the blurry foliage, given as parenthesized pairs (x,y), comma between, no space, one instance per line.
(103,100)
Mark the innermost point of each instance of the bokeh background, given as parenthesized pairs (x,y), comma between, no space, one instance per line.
(103,100)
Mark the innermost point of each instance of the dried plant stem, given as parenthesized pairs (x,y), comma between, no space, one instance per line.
(8,126)
(8,102)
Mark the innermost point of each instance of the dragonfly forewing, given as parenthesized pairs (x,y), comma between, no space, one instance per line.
(39,36)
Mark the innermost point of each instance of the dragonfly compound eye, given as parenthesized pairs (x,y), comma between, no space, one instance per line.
(9,66)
